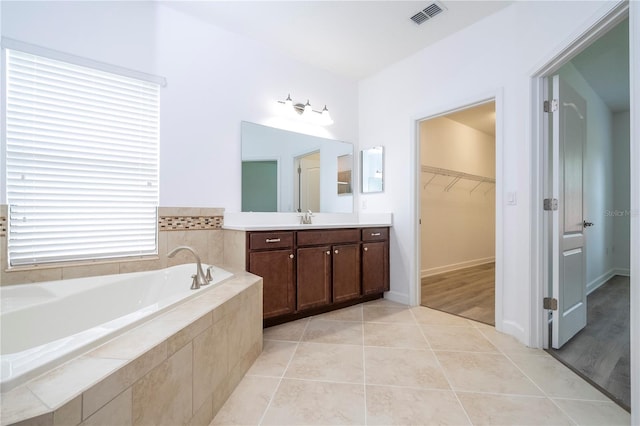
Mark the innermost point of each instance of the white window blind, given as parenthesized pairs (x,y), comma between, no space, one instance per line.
(82,162)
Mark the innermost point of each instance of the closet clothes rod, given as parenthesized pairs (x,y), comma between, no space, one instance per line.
(457,176)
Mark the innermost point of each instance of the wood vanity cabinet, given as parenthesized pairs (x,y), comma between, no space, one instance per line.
(312,271)
(313,275)
(339,277)
(271,256)
(346,272)
(375,260)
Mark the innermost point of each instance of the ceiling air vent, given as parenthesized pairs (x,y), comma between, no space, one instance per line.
(428,12)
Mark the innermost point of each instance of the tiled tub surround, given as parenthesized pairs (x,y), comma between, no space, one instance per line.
(178,368)
(199,228)
(82,313)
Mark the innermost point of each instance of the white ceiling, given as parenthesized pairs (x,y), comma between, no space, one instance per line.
(605,66)
(480,117)
(354,39)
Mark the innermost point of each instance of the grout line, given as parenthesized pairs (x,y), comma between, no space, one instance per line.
(299,379)
(444,373)
(547,396)
(283,373)
(424,336)
(517,395)
(364,372)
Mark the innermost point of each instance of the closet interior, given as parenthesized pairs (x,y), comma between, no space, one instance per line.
(457,212)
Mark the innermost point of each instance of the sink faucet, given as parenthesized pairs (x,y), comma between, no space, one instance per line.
(305,219)
(200,278)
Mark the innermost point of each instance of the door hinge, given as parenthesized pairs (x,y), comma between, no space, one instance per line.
(550,303)
(550,204)
(550,106)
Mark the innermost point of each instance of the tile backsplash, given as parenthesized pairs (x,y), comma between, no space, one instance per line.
(199,228)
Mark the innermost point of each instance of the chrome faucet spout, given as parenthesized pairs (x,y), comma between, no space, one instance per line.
(200,279)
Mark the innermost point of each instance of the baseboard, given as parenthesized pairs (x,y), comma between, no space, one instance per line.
(513,329)
(625,272)
(394,296)
(455,266)
(595,284)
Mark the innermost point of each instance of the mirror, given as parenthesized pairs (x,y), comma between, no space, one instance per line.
(284,171)
(372,161)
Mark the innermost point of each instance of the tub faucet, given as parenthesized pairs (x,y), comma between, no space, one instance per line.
(200,278)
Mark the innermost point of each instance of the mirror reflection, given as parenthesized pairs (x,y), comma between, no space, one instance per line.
(345,164)
(284,171)
(372,160)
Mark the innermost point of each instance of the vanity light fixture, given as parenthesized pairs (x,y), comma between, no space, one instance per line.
(306,112)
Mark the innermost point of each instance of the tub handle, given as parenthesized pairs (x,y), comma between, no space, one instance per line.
(209,277)
(272,240)
(194,284)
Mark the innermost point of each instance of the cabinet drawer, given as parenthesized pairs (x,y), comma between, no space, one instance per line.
(375,234)
(310,238)
(270,240)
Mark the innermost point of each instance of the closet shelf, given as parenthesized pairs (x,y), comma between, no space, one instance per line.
(457,176)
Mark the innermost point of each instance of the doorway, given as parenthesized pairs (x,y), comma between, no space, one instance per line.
(598,345)
(307,182)
(458,212)
(260,186)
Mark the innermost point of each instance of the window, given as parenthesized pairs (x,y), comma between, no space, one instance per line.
(81,161)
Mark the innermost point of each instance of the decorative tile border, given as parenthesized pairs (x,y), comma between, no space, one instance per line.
(3,226)
(187,219)
(189,223)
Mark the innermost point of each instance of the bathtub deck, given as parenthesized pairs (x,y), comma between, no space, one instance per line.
(177,368)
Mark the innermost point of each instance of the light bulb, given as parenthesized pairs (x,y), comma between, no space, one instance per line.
(307,110)
(326,117)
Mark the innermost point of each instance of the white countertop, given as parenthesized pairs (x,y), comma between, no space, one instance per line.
(253,221)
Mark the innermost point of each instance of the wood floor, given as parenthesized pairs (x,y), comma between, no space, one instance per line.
(468,292)
(601,351)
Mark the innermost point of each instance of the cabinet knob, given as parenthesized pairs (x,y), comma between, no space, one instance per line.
(328,252)
(366,249)
(291,256)
(336,251)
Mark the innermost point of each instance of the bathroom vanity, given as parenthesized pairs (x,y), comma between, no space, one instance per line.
(306,272)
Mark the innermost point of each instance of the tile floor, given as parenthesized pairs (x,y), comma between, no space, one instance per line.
(382,363)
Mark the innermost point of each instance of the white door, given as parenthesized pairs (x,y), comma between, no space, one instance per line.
(307,184)
(569,279)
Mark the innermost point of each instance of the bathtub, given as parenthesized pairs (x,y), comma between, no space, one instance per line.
(46,324)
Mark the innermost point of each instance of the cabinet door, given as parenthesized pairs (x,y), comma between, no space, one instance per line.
(375,267)
(276,269)
(314,277)
(346,272)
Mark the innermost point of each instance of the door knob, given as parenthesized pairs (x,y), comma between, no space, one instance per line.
(587,224)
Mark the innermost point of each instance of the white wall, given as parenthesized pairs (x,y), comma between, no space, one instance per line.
(458,226)
(621,211)
(497,55)
(215,80)
(598,181)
